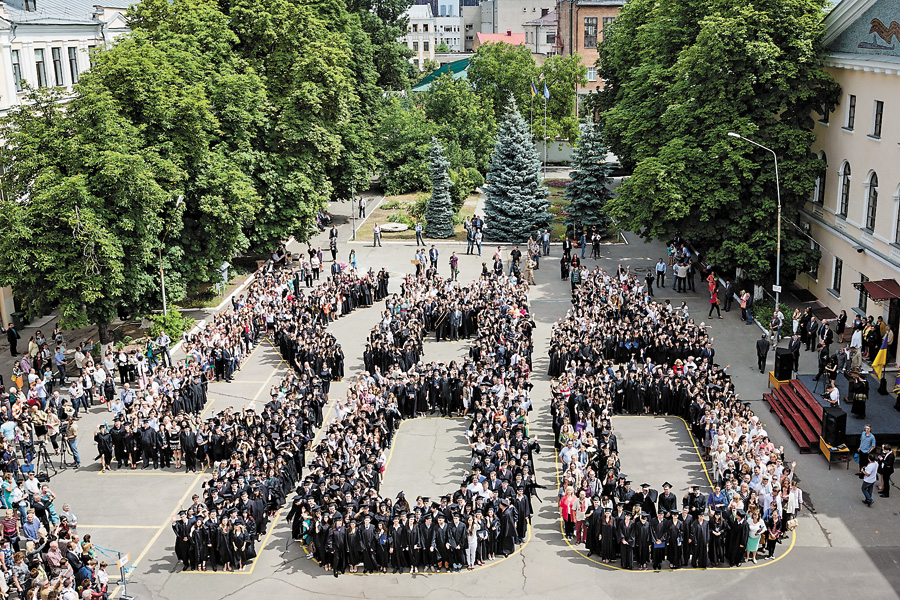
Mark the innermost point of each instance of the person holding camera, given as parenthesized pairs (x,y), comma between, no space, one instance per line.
(70,435)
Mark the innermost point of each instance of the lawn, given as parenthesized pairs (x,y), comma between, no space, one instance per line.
(398,209)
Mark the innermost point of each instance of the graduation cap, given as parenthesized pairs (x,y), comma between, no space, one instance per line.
(645,485)
(400,496)
(504,502)
(741,513)
(645,515)
(627,482)
(441,516)
(607,510)
(695,488)
(667,485)
(435,505)
(621,476)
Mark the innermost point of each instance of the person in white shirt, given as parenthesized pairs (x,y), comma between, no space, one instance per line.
(870,474)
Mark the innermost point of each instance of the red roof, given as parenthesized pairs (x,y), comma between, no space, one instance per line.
(513,39)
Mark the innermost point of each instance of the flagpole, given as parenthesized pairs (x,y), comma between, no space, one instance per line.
(545,131)
(531,111)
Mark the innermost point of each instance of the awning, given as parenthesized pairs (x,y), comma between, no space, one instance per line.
(885,289)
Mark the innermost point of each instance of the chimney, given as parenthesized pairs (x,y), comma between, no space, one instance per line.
(509,33)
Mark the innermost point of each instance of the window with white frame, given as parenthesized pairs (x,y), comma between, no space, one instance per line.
(16,69)
(877,117)
(592,73)
(814,269)
(871,201)
(844,196)
(40,68)
(851,112)
(836,274)
(56,55)
(820,180)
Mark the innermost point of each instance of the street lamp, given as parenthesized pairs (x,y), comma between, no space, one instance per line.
(778,194)
(162,278)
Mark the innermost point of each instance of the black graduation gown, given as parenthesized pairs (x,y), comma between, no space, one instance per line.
(673,543)
(737,542)
(642,543)
(182,531)
(398,542)
(337,545)
(700,543)
(626,541)
(609,538)
(367,544)
(718,530)
(508,531)
(199,551)
(223,547)
(441,537)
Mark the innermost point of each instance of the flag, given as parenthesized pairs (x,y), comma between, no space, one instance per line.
(880,358)
(546,92)
(533,90)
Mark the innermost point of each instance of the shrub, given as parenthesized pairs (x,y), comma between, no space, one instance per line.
(391,205)
(174,324)
(416,210)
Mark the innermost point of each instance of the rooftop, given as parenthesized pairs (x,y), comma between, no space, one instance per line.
(57,12)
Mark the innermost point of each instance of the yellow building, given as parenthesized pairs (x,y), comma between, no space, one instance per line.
(854,214)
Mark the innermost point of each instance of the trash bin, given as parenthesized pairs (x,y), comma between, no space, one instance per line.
(18,319)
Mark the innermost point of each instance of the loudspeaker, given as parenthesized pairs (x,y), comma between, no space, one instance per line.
(784,364)
(834,426)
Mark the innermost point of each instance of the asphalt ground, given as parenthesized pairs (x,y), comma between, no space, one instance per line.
(841,548)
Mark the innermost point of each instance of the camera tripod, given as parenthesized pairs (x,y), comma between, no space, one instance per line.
(66,459)
(42,462)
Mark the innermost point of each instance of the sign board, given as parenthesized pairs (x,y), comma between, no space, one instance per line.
(776,288)
(123,560)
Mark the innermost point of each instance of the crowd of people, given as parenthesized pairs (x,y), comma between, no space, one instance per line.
(257,457)
(619,352)
(339,513)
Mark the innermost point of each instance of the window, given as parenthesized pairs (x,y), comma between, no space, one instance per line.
(17,70)
(876,125)
(415,28)
(56,54)
(73,64)
(863,301)
(40,68)
(607,21)
(425,27)
(820,180)
(844,201)
(425,46)
(415,46)
(871,201)
(551,38)
(592,73)
(836,276)
(416,62)
(851,112)
(814,269)
(824,112)
(590,32)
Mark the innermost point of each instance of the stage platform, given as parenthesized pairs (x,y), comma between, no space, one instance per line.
(880,412)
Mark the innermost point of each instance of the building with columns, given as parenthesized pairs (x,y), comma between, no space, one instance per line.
(46,43)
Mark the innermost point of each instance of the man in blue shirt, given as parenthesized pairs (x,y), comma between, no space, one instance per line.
(866,445)
(59,358)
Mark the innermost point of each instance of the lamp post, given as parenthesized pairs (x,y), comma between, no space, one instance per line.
(778,195)
(162,278)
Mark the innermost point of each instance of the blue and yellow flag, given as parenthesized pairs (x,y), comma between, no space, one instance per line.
(546,92)
(533,90)
(880,358)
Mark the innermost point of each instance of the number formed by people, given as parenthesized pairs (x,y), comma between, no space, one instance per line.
(338,513)
(640,357)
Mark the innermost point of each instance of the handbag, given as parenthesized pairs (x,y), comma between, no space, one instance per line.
(791,524)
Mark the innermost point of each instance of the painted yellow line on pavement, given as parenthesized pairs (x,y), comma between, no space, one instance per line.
(117,526)
(619,568)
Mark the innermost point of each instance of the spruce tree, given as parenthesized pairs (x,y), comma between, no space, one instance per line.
(587,189)
(516,202)
(439,211)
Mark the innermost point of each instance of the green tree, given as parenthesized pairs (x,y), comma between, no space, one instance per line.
(587,191)
(516,202)
(680,76)
(439,212)
(498,71)
(443,48)
(403,141)
(463,120)
(84,208)
(561,75)
(384,21)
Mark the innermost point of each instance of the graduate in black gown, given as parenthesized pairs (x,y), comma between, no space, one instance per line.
(609,536)
(673,541)
(182,529)
(738,533)
(337,546)
(507,528)
(626,541)
(642,542)
(718,530)
(700,541)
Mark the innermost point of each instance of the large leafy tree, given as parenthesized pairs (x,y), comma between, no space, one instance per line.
(561,75)
(176,79)
(516,204)
(403,141)
(84,208)
(679,76)
(498,71)
(384,21)
(587,190)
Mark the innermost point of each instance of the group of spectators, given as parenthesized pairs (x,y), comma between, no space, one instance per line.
(619,352)
(339,513)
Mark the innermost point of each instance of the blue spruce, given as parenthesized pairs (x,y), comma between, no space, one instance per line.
(516,204)
(439,211)
(587,189)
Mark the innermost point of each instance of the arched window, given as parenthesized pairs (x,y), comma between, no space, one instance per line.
(844,198)
(871,201)
(820,180)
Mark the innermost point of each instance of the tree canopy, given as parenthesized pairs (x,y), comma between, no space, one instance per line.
(679,76)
